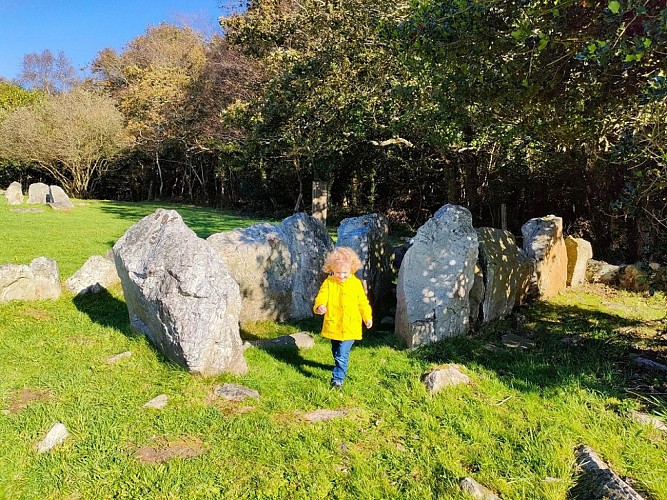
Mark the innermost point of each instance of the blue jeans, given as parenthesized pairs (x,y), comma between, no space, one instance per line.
(341,354)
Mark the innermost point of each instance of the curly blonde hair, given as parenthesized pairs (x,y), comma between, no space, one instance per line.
(342,257)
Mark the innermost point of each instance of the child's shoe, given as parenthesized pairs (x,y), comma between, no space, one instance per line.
(336,385)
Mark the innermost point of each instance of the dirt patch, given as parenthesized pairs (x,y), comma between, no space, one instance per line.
(164,450)
(24,397)
(33,313)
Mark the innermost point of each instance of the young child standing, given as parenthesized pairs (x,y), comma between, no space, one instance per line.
(343,302)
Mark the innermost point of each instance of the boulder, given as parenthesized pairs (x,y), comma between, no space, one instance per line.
(579,252)
(543,243)
(278,267)
(368,235)
(634,279)
(40,280)
(447,376)
(598,271)
(506,270)
(435,279)
(58,199)
(96,274)
(180,295)
(14,194)
(38,193)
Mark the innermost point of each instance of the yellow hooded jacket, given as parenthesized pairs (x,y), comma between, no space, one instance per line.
(347,306)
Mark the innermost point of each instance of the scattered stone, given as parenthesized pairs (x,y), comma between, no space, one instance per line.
(164,451)
(447,376)
(299,340)
(515,341)
(96,274)
(646,419)
(14,194)
(647,363)
(367,235)
(58,199)
(543,243)
(40,280)
(158,402)
(180,295)
(234,392)
(117,357)
(579,252)
(598,481)
(472,487)
(27,210)
(435,279)
(598,271)
(38,193)
(324,415)
(53,438)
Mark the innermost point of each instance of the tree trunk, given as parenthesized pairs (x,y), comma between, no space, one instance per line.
(320,200)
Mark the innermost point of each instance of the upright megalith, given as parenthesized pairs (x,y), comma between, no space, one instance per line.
(506,270)
(58,199)
(579,252)
(368,235)
(278,267)
(38,193)
(40,280)
(96,274)
(14,194)
(543,243)
(180,295)
(435,279)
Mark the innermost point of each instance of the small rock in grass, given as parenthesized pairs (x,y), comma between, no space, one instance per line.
(472,487)
(646,419)
(511,340)
(118,357)
(158,402)
(324,415)
(53,438)
(234,392)
(445,377)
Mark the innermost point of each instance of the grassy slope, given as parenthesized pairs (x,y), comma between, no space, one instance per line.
(513,429)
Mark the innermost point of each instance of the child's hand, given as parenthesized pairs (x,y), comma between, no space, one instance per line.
(321,309)
(369,323)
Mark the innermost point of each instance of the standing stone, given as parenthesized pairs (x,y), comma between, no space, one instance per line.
(435,278)
(40,280)
(476,295)
(543,243)
(579,252)
(96,274)
(58,199)
(180,295)
(368,235)
(38,193)
(14,194)
(506,270)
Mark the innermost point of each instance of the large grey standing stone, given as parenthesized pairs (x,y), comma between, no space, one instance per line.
(40,280)
(180,295)
(38,193)
(58,199)
(579,252)
(543,243)
(435,279)
(96,274)
(506,270)
(14,194)
(368,235)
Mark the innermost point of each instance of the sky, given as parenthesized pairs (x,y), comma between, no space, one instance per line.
(83,28)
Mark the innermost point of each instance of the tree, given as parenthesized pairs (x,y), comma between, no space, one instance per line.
(74,137)
(44,71)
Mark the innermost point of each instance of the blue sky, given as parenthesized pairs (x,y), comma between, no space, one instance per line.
(82,28)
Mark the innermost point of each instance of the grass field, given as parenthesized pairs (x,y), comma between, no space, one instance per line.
(513,429)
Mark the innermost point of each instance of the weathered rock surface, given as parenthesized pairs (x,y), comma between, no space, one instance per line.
(598,481)
(40,280)
(544,245)
(476,490)
(14,194)
(598,271)
(446,376)
(96,274)
(579,252)
(53,438)
(299,340)
(180,295)
(58,199)
(324,415)
(646,419)
(278,267)
(38,193)
(368,235)
(506,272)
(158,402)
(235,392)
(435,278)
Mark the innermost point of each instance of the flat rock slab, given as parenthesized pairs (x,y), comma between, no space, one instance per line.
(299,340)
(515,341)
(53,438)
(324,415)
(647,363)
(158,402)
(646,419)
(234,392)
(117,357)
(476,490)
(598,481)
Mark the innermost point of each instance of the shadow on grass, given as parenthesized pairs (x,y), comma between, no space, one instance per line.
(106,310)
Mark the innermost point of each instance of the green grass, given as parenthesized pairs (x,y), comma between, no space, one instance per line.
(514,429)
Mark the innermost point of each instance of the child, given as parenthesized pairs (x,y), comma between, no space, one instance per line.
(342,300)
